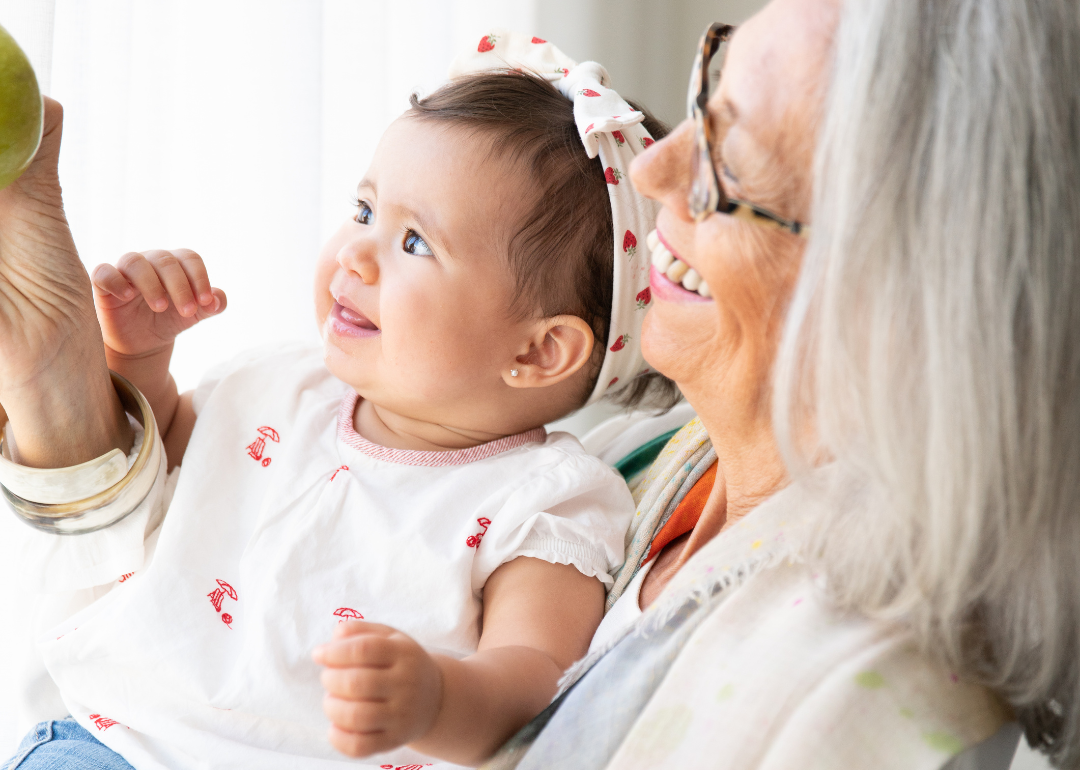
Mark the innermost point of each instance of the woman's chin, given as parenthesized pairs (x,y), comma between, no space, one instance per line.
(672,344)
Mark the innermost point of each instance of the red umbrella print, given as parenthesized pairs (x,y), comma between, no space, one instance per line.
(347,613)
(219,594)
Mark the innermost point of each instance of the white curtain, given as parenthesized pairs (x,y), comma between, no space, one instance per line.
(240,129)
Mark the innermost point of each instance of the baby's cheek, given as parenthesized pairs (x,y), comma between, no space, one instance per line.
(434,350)
(324,301)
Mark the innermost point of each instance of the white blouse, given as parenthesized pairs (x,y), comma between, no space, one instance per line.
(284,523)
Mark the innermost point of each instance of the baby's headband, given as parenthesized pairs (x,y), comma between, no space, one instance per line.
(611,128)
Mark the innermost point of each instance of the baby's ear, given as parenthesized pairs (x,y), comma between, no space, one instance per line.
(558,348)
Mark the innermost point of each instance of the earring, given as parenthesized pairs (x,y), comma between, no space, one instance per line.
(513,372)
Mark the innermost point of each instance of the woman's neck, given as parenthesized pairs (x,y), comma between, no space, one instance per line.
(389,429)
(749,471)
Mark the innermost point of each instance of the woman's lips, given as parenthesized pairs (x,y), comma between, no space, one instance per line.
(350,323)
(671,278)
(669,291)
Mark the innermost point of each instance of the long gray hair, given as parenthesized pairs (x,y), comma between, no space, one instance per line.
(932,347)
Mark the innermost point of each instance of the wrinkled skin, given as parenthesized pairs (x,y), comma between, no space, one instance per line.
(54,384)
(764,115)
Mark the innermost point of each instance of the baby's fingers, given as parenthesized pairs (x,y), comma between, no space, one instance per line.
(110,282)
(141,274)
(172,274)
(361,744)
(195,270)
(368,645)
(218,303)
(368,684)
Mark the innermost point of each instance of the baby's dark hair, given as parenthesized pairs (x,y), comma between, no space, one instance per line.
(562,254)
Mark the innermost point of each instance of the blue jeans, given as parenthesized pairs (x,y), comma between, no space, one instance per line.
(64,745)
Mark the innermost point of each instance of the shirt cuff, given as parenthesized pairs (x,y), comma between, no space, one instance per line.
(589,560)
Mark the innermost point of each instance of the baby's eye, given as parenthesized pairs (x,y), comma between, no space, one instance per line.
(364,214)
(414,244)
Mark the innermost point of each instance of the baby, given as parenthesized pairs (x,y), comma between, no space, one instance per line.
(399,478)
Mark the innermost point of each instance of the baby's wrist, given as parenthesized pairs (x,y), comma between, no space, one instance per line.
(113,355)
(430,709)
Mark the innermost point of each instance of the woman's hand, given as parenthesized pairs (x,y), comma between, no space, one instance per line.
(383,690)
(54,382)
(148,298)
(44,289)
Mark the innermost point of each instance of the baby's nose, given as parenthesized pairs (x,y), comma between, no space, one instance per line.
(360,257)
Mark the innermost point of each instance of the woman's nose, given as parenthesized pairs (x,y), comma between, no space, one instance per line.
(360,255)
(663,171)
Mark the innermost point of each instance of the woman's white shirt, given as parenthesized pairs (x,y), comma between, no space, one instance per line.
(776,676)
(285,522)
(623,614)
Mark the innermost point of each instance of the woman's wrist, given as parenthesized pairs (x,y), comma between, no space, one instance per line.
(67,415)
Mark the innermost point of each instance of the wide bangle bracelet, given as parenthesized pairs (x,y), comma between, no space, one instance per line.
(110,505)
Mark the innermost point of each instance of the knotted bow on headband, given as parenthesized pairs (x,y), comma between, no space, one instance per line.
(610,128)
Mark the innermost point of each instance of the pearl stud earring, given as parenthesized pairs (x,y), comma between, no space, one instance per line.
(513,372)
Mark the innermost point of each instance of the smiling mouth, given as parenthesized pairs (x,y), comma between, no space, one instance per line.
(674,269)
(351,323)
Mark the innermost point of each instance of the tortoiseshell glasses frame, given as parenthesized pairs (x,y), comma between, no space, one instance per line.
(706,193)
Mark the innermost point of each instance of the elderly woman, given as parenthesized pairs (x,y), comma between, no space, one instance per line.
(914,588)
(910,367)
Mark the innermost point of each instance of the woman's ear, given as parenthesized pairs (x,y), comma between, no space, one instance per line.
(558,348)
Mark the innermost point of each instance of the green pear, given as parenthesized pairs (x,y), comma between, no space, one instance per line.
(21,110)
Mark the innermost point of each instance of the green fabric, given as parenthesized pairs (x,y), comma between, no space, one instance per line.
(642,457)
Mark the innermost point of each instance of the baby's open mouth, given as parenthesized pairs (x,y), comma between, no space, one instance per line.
(674,269)
(351,323)
(357,319)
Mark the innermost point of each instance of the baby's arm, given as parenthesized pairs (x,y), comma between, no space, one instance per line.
(143,304)
(384,690)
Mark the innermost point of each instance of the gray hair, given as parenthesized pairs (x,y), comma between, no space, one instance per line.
(932,346)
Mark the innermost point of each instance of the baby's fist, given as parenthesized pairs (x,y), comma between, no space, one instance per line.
(383,690)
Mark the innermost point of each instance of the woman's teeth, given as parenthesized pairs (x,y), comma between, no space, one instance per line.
(674,268)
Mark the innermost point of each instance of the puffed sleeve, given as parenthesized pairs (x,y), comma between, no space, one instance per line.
(575,510)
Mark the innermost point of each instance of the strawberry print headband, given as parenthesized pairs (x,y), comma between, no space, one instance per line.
(610,128)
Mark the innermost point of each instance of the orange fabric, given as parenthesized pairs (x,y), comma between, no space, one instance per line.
(686,514)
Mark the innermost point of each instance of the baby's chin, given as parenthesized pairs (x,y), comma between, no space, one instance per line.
(337,360)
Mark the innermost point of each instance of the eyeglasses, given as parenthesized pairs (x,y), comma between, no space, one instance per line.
(706,193)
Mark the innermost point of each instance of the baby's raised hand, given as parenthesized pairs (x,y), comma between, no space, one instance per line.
(148,298)
(383,690)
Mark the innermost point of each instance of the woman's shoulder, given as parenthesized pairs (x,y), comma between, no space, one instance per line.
(775,668)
